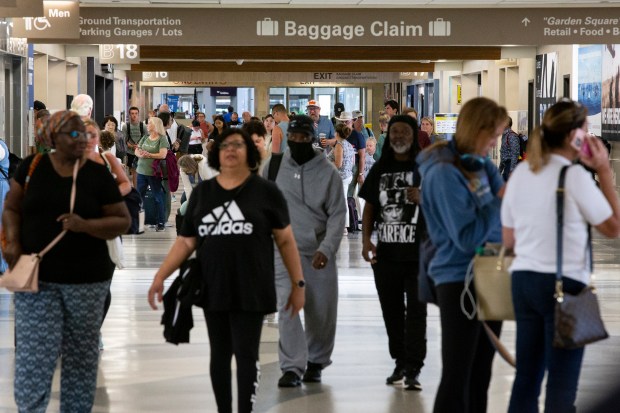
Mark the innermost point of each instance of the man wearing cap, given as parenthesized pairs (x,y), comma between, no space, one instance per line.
(321,123)
(338,109)
(358,124)
(313,191)
(359,144)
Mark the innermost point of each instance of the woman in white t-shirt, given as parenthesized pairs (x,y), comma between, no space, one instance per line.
(529,226)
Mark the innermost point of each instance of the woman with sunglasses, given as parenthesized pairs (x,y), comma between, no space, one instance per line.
(529,225)
(231,222)
(64,317)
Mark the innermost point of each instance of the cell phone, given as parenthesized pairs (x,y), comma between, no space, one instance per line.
(585,149)
(577,142)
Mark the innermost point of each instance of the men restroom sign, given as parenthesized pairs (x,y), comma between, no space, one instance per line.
(60,20)
(267,27)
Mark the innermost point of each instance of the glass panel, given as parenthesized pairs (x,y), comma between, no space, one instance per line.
(245,100)
(277,95)
(326,96)
(221,104)
(351,97)
(298,99)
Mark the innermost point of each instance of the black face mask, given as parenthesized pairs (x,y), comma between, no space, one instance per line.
(301,152)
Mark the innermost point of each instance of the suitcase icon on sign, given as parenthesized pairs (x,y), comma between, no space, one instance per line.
(267,27)
(439,27)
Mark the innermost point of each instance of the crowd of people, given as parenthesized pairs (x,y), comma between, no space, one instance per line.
(264,209)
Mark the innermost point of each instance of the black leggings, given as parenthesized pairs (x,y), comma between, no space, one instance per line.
(235,333)
(466,355)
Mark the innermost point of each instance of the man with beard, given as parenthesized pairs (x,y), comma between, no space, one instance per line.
(321,124)
(392,195)
(313,191)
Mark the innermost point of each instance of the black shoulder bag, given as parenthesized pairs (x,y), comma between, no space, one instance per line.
(577,317)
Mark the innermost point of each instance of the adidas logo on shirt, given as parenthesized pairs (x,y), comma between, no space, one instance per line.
(225,220)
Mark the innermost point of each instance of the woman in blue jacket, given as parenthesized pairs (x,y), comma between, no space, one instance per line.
(461,191)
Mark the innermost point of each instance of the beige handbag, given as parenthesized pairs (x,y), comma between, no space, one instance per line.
(24,276)
(493,286)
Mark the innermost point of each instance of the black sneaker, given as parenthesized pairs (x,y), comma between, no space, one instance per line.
(411,380)
(313,373)
(289,379)
(160,228)
(397,377)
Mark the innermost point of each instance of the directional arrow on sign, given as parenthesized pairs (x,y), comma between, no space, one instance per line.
(525,21)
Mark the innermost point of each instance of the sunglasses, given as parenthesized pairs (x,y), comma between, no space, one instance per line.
(76,135)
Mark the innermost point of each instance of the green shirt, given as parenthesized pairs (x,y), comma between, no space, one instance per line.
(145,165)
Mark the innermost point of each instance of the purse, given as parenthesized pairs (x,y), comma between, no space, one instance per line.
(24,276)
(577,317)
(488,270)
(115,245)
(493,285)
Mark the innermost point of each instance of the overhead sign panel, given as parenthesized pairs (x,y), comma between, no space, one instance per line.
(348,27)
(14,8)
(119,53)
(60,20)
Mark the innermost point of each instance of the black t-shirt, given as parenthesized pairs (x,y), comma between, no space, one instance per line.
(358,141)
(235,229)
(78,258)
(399,222)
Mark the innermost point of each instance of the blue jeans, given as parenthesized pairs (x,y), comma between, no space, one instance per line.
(532,295)
(158,194)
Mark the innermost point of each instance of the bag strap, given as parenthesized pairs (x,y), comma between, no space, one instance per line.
(559,207)
(55,241)
(33,165)
(274,166)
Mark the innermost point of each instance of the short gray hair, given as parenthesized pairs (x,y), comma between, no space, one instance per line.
(82,104)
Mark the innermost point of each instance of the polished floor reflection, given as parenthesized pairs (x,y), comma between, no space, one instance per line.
(139,372)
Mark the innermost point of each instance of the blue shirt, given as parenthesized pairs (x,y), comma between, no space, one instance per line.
(325,126)
(461,214)
(359,142)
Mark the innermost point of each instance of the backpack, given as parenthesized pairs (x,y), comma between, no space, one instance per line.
(522,147)
(14,161)
(121,148)
(354,219)
(168,170)
(128,132)
(183,136)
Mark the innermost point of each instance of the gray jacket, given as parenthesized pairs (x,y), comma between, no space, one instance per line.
(316,204)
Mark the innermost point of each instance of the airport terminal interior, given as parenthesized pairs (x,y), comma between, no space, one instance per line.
(206,55)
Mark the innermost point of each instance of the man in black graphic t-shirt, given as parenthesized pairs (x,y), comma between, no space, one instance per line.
(392,204)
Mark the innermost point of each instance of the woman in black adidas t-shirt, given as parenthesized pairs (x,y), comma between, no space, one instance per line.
(234,218)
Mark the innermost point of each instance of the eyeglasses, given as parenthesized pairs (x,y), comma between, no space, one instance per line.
(77,135)
(232,144)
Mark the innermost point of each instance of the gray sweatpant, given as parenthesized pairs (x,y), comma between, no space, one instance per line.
(316,343)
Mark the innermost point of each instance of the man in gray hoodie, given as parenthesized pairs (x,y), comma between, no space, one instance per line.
(313,190)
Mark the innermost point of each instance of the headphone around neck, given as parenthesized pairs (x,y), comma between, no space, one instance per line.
(469,161)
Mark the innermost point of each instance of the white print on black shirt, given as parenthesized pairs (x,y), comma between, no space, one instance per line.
(225,220)
(398,216)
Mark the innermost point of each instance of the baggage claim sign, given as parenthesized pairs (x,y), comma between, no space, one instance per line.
(345,27)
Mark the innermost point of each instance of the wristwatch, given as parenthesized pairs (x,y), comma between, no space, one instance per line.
(300,284)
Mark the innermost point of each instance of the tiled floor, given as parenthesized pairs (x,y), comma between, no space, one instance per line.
(139,372)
